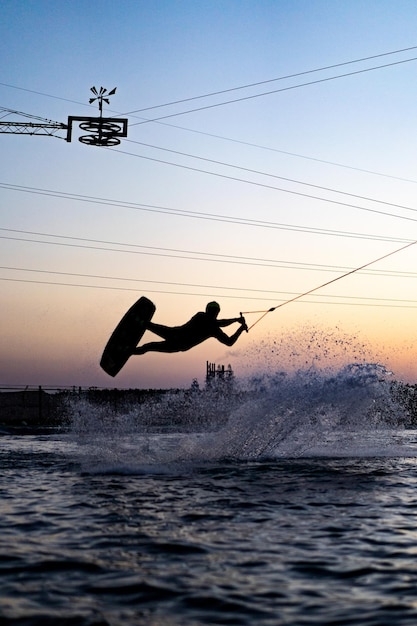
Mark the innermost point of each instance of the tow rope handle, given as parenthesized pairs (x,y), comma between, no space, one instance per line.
(260,318)
(247,329)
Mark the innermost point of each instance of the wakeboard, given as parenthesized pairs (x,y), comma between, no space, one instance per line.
(126,336)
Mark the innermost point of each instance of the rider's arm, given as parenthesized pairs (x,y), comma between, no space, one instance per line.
(229,341)
(227,322)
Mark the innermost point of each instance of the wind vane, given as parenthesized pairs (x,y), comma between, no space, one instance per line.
(100,97)
(103,131)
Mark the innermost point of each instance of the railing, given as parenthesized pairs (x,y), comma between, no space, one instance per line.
(46,388)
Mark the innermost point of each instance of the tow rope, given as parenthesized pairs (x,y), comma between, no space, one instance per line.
(329,282)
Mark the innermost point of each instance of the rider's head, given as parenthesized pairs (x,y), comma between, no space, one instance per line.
(213,309)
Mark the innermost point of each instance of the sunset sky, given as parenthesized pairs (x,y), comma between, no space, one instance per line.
(267,154)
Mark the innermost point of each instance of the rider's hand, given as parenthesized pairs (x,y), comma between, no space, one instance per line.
(242,321)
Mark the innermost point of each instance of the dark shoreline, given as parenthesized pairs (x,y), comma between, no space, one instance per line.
(24,410)
(38,407)
(27,410)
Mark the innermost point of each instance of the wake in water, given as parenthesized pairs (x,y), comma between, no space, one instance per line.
(348,412)
(309,411)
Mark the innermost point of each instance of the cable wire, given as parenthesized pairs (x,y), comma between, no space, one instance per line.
(271,80)
(199,215)
(357,269)
(274,91)
(354,300)
(265,186)
(231,258)
(270,175)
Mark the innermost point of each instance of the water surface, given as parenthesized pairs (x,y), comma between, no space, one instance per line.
(300,509)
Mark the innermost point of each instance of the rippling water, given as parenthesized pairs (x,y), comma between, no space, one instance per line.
(301,509)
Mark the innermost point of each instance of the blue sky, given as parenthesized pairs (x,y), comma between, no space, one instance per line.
(177,226)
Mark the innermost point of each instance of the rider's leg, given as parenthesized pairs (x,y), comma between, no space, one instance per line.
(156,346)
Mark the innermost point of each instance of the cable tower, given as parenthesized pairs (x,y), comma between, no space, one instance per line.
(102,131)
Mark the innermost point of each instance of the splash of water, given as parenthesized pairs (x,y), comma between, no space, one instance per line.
(346,412)
(291,415)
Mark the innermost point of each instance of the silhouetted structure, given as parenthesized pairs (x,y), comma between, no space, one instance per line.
(219,373)
(103,131)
